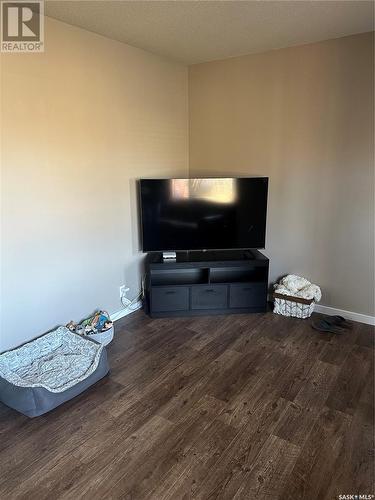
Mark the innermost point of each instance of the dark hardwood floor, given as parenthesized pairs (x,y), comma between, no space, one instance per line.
(231,407)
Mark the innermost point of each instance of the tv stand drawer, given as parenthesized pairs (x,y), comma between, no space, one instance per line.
(170,298)
(247,295)
(209,297)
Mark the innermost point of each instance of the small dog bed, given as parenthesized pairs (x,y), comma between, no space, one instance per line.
(50,370)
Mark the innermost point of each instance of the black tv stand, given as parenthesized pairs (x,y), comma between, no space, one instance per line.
(206,282)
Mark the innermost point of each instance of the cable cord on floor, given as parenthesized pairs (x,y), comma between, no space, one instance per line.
(139,296)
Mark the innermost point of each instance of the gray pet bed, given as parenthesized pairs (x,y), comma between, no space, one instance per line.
(50,370)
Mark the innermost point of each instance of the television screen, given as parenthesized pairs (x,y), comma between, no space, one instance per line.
(198,214)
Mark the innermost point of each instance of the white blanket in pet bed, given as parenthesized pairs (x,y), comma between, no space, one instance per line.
(56,361)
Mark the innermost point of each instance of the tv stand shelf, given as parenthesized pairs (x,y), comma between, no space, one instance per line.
(220,282)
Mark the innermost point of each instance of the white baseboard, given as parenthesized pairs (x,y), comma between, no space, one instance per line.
(353,316)
(125,311)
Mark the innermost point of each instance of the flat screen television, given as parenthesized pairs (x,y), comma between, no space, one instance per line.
(202,214)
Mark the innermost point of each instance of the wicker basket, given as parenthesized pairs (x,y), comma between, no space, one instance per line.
(293,306)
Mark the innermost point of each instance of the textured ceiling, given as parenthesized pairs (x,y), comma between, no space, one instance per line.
(197,31)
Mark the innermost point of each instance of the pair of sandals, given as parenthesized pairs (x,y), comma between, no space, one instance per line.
(332,324)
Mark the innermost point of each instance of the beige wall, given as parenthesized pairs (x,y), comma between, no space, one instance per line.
(79,124)
(85,119)
(303,117)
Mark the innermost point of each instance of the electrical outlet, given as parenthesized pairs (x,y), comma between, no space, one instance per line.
(123,289)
